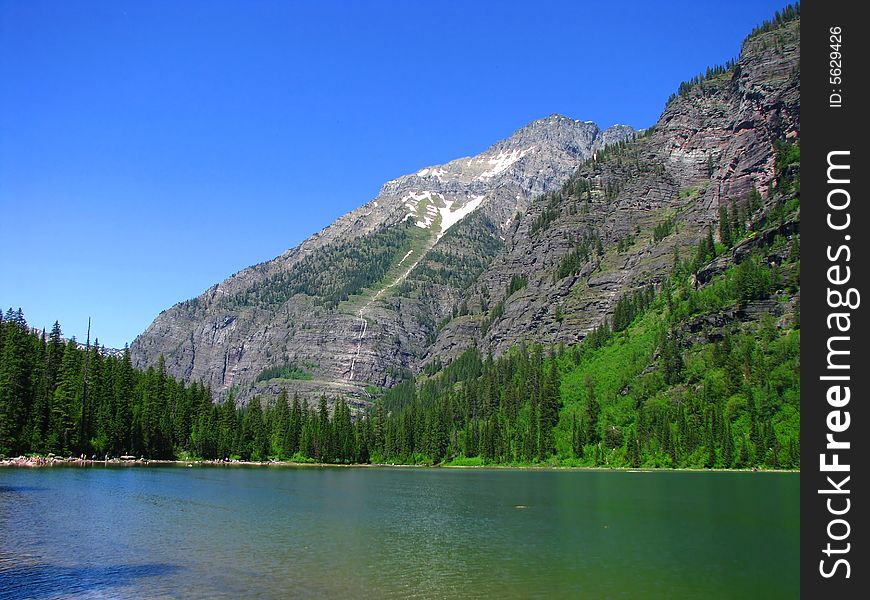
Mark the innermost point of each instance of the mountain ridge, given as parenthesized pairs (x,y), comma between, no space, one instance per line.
(535,239)
(497,183)
(712,144)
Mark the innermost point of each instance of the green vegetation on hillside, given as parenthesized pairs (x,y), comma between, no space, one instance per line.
(697,375)
(700,370)
(711,72)
(288,371)
(58,398)
(659,387)
(332,273)
(465,251)
(584,246)
(702,373)
(789,13)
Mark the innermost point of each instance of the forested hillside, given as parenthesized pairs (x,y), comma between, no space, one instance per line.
(702,372)
(394,268)
(639,310)
(58,398)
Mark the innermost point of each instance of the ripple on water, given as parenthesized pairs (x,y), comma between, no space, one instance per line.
(395,533)
(42,580)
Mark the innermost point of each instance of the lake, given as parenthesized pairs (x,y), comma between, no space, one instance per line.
(286,532)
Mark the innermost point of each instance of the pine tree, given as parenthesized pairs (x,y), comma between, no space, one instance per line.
(470,448)
(343,432)
(742,460)
(66,405)
(771,445)
(736,225)
(308,443)
(279,438)
(101,401)
(633,449)
(671,359)
(530,445)
(578,436)
(31,435)
(228,428)
(727,445)
(725,235)
(593,409)
(295,427)
(53,358)
(362,439)
(85,416)
(755,433)
(549,409)
(754,200)
(123,389)
(709,442)
(155,424)
(323,451)
(711,246)
(15,392)
(254,432)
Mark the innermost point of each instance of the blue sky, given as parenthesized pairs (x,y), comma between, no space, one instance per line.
(151,149)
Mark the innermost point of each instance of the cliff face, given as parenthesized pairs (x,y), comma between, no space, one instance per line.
(340,312)
(582,248)
(527,241)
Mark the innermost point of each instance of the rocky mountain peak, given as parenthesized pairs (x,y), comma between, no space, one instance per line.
(297,309)
(555,129)
(527,240)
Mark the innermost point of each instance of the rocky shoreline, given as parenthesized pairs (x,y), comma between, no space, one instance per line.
(129,461)
(51,460)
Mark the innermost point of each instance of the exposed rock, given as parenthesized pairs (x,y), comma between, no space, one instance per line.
(227,343)
(711,146)
(480,223)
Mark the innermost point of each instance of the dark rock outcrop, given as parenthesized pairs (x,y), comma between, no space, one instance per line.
(231,334)
(568,236)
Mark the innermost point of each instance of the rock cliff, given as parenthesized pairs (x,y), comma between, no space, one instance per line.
(340,313)
(580,249)
(534,239)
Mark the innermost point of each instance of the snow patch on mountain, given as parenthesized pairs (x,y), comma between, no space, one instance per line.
(412,202)
(450,217)
(503,161)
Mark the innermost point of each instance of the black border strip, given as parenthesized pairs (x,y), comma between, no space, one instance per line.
(833,113)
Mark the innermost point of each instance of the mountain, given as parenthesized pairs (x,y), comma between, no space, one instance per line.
(641,309)
(357,305)
(579,249)
(535,240)
(646,313)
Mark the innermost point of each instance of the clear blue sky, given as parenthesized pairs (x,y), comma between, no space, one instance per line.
(150,149)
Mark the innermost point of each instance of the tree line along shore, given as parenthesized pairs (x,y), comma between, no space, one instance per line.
(694,372)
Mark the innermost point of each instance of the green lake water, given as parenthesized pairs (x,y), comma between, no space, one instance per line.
(283,532)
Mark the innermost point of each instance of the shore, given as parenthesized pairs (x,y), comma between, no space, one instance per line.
(50,461)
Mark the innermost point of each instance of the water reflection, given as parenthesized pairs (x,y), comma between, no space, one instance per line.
(19,489)
(47,581)
(396,533)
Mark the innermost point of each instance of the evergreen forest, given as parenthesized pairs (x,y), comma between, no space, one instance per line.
(682,374)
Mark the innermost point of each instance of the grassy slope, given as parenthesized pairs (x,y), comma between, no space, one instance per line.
(421,241)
